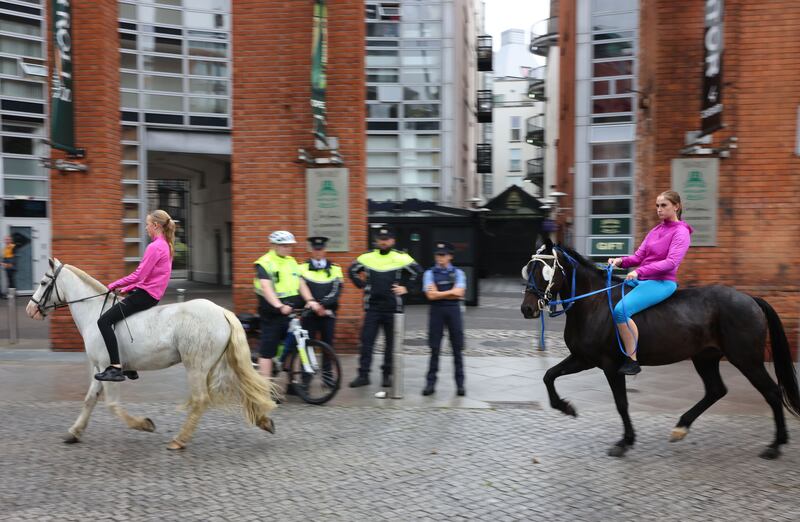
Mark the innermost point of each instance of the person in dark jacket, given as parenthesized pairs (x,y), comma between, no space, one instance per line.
(384,274)
(324,280)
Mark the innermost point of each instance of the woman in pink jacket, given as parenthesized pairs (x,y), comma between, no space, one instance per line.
(654,280)
(146,287)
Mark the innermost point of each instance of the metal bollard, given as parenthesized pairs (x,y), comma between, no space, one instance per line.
(12,316)
(181,294)
(397,360)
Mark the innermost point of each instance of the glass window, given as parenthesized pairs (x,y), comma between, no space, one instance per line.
(130,152)
(20,46)
(383,75)
(422,30)
(127,11)
(214,105)
(382,125)
(613,119)
(177,3)
(515,160)
(383,30)
(127,61)
(202,68)
(218,87)
(162,83)
(623,170)
(615,68)
(611,206)
(158,15)
(613,50)
(382,142)
(420,141)
(23,167)
(128,81)
(383,159)
(382,110)
(611,188)
(9,66)
(18,24)
(421,110)
(208,49)
(25,187)
(372,92)
(617,35)
(209,5)
(599,6)
(422,193)
(207,20)
(371,12)
(159,44)
(600,88)
(22,125)
(516,128)
(422,125)
(382,194)
(422,75)
(601,170)
(162,64)
(420,176)
(606,151)
(423,58)
(130,134)
(23,89)
(390,93)
(20,145)
(382,177)
(162,103)
(412,13)
(382,58)
(624,86)
(129,100)
(615,22)
(421,93)
(420,159)
(603,105)
(192,33)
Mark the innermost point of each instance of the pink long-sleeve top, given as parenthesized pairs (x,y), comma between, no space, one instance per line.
(661,252)
(153,273)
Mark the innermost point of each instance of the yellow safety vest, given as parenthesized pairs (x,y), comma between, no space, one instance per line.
(321,275)
(284,272)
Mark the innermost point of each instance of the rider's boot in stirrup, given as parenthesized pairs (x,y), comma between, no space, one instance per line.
(112,373)
(630,367)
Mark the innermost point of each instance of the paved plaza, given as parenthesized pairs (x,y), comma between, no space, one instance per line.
(500,453)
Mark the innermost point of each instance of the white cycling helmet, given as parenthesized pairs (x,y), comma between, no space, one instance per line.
(282,237)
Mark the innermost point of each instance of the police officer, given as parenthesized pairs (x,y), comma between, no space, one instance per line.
(280,290)
(444,286)
(324,280)
(384,274)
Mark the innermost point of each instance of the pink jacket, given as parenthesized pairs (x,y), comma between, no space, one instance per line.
(153,273)
(661,252)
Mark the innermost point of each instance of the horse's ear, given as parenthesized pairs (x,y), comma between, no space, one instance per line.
(50,260)
(54,262)
(548,243)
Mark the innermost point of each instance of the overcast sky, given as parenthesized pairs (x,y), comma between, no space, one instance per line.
(513,14)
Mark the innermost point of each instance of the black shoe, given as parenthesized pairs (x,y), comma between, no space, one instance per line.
(359,381)
(131,374)
(112,373)
(630,367)
(461,391)
(387,381)
(429,390)
(290,389)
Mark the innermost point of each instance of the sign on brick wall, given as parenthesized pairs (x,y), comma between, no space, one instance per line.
(62,135)
(696,180)
(327,206)
(711,108)
(319,75)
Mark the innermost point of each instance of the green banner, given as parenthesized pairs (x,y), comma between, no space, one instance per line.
(62,120)
(611,226)
(319,78)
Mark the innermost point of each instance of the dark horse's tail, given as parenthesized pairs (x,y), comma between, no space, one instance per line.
(782,356)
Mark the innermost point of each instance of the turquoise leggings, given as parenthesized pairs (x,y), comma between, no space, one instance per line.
(644,295)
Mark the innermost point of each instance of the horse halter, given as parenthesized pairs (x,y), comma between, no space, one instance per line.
(41,304)
(548,272)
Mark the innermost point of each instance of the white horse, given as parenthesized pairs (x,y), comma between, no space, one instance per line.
(208,339)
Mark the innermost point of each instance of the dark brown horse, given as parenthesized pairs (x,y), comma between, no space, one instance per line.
(702,324)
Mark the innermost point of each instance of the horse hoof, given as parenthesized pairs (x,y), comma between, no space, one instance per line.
(147,425)
(266,424)
(678,433)
(569,410)
(770,453)
(69,438)
(618,450)
(175,445)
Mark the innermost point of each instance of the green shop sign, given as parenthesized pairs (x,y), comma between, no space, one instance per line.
(611,226)
(618,246)
(62,134)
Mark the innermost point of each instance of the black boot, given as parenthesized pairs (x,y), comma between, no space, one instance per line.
(429,389)
(460,390)
(112,373)
(131,374)
(630,367)
(361,380)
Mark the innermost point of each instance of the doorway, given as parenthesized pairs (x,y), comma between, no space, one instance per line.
(32,238)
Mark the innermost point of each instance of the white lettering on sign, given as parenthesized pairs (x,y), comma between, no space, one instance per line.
(713,39)
(63,38)
(609,245)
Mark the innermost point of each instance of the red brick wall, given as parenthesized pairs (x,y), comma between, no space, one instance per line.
(758,223)
(565,153)
(86,208)
(272,119)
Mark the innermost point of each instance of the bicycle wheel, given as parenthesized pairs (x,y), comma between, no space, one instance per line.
(320,385)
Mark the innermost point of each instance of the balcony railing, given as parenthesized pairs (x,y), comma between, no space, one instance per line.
(544,35)
(536,84)
(485,53)
(484,158)
(485,106)
(534,171)
(534,128)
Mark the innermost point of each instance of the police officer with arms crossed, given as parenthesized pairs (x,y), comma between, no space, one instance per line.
(444,286)
(386,275)
(324,280)
(280,289)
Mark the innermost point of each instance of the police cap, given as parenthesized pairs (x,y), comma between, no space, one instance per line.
(318,242)
(443,247)
(384,233)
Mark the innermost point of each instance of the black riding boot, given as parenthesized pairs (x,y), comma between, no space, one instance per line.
(112,373)
(630,367)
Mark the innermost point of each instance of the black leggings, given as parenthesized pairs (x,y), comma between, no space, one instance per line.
(137,301)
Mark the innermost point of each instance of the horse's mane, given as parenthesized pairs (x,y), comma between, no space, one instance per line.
(86,278)
(588,265)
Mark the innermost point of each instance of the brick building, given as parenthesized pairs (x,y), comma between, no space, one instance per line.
(755,246)
(157,89)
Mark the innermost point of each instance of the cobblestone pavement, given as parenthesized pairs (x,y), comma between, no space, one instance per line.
(360,463)
(485,343)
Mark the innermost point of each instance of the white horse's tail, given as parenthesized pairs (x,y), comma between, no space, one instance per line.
(234,376)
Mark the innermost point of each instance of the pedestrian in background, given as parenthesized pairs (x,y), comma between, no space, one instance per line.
(384,274)
(10,263)
(444,287)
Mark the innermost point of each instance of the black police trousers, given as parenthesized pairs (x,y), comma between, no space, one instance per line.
(438,318)
(324,326)
(373,320)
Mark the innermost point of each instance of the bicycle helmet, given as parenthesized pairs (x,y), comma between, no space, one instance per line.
(282,237)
